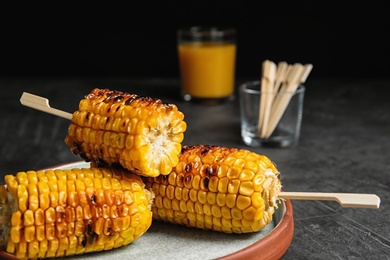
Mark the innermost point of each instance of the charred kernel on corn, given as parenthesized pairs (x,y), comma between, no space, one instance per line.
(76,216)
(217,188)
(141,134)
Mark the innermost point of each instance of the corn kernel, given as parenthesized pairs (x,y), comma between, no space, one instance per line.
(170,192)
(29,233)
(243,202)
(175,205)
(43,248)
(22,197)
(231,200)
(50,231)
(166,203)
(16,219)
(216,211)
(39,217)
(202,197)
(28,217)
(15,234)
(44,201)
(40,232)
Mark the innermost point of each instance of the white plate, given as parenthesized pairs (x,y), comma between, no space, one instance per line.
(169,241)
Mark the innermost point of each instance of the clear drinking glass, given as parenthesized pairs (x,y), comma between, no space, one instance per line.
(207,57)
(286,132)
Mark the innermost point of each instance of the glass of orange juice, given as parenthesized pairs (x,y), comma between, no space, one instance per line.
(207,57)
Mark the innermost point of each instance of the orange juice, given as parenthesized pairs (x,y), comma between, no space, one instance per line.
(207,68)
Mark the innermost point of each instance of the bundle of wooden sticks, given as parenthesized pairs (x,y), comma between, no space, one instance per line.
(278,84)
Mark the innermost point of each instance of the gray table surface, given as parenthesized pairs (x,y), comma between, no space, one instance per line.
(344,147)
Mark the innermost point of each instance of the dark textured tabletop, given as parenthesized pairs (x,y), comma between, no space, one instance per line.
(344,147)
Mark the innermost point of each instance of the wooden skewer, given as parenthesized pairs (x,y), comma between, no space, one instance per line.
(291,75)
(41,103)
(263,86)
(281,73)
(267,95)
(345,199)
(305,74)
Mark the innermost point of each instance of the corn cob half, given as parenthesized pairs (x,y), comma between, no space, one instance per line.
(217,188)
(141,134)
(56,213)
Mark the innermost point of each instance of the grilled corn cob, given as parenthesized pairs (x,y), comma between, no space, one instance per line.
(56,213)
(217,188)
(141,134)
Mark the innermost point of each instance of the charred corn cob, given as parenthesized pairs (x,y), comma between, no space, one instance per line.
(56,213)
(141,134)
(217,188)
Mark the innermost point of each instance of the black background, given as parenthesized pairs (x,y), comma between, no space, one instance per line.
(139,39)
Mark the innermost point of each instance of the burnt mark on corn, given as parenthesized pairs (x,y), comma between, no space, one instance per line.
(201,148)
(89,227)
(89,235)
(180,180)
(115,96)
(210,171)
(206,182)
(84,241)
(109,229)
(188,168)
(187,178)
(76,147)
(184,148)
(204,150)
(130,100)
(147,99)
(101,162)
(84,156)
(117,165)
(93,238)
(92,198)
(164,179)
(118,99)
